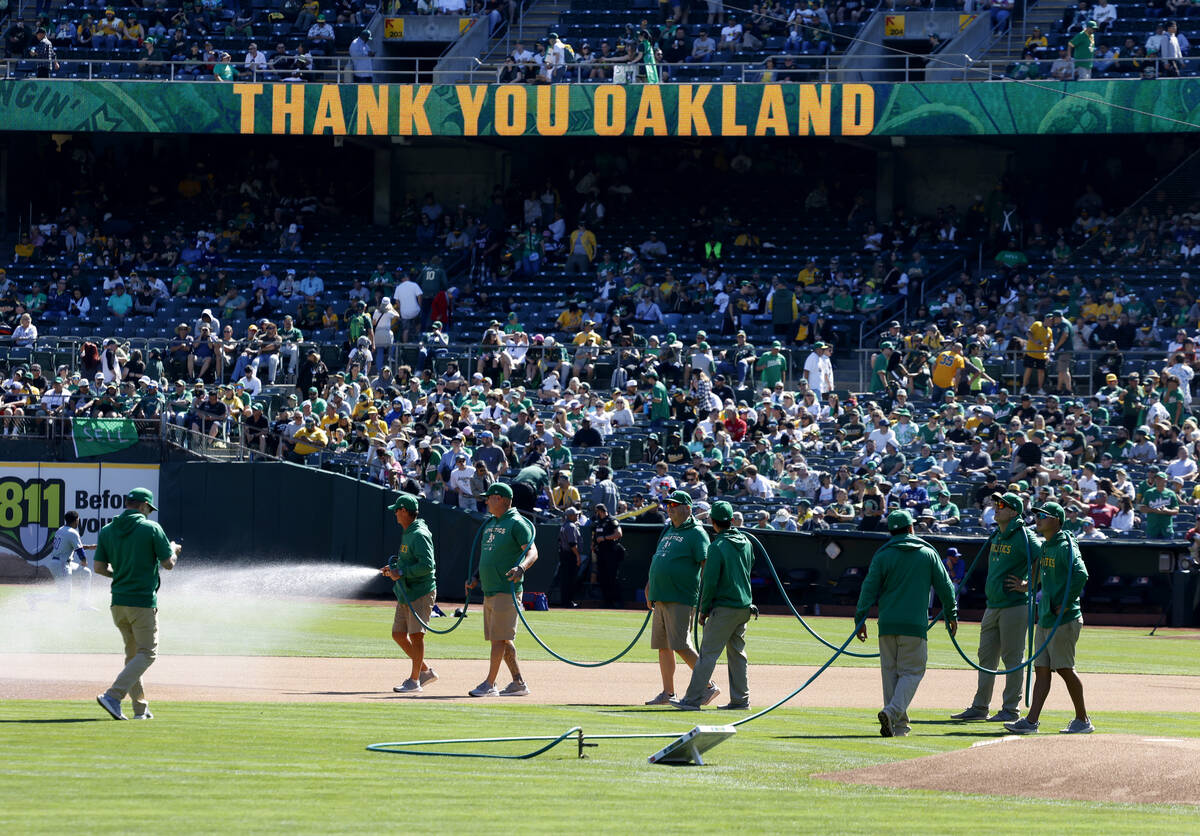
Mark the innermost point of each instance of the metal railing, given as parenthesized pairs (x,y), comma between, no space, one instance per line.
(336,69)
(1007,368)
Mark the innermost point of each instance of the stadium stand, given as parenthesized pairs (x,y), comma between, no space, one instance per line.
(629,341)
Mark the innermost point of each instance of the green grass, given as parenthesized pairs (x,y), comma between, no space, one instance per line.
(240,768)
(309,628)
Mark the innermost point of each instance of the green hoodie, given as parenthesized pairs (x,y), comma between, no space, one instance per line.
(133,547)
(1057,553)
(675,567)
(415,561)
(1011,550)
(899,579)
(726,580)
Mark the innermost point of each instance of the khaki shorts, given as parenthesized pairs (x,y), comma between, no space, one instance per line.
(404,620)
(1060,653)
(670,628)
(499,618)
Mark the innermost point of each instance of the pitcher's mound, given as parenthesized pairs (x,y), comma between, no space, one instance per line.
(1096,767)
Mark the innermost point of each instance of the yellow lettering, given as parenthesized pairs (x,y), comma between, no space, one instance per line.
(248,93)
(858,109)
(552,118)
(608,118)
(816,109)
(412,118)
(692,119)
(511,107)
(372,110)
(729,122)
(470,99)
(650,114)
(772,116)
(329,112)
(287,108)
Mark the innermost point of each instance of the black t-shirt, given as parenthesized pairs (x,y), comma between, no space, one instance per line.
(605,528)
(255,426)
(211,410)
(1029,454)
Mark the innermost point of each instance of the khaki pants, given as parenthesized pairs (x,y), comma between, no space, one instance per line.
(139,629)
(725,630)
(1001,636)
(902,663)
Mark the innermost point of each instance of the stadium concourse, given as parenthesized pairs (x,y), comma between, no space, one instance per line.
(813,363)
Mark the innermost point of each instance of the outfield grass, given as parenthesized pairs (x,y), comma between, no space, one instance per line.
(240,768)
(297,627)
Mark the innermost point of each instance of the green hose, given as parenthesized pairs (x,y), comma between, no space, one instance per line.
(461,615)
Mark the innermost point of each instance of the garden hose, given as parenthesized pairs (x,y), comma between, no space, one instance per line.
(461,615)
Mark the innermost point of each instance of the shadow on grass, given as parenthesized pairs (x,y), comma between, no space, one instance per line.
(420,697)
(59,720)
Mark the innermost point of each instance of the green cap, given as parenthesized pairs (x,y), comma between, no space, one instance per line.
(680,498)
(898,520)
(141,495)
(776,344)
(498,489)
(1010,499)
(721,511)
(1051,509)
(406,501)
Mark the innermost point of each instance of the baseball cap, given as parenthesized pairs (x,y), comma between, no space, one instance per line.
(953,552)
(406,501)
(142,495)
(498,489)
(680,498)
(721,511)
(898,520)
(1011,500)
(1051,509)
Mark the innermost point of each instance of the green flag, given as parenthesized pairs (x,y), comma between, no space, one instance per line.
(97,436)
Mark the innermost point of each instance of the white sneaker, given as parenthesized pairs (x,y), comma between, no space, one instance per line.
(428,676)
(409,686)
(1079,727)
(515,689)
(112,706)
(144,716)
(710,694)
(484,689)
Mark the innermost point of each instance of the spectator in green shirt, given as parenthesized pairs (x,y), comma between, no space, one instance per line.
(1160,504)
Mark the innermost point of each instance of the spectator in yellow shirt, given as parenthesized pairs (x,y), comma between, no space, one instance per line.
(1037,351)
(570,319)
(109,30)
(946,368)
(134,31)
(309,440)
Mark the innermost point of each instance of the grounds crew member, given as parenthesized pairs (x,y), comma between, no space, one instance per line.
(725,608)
(129,550)
(415,573)
(502,542)
(1058,552)
(1006,619)
(672,592)
(899,579)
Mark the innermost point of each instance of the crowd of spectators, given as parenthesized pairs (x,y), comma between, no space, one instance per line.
(606,401)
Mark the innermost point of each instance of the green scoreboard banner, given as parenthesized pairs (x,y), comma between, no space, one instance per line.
(933,109)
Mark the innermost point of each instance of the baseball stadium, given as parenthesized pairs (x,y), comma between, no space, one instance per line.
(580,416)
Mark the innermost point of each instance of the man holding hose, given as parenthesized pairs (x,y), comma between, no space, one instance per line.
(899,579)
(1058,556)
(673,591)
(415,573)
(503,562)
(725,608)
(1005,621)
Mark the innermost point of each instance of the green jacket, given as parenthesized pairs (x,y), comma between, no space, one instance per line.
(899,579)
(1056,554)
(675,567)
(416,564)
(1010,552)
(726,581)
(133,547)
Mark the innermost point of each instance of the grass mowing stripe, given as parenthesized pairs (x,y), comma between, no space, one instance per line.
(264,767)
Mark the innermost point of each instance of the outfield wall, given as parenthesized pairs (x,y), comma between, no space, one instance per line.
(288,513)
(693,110)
